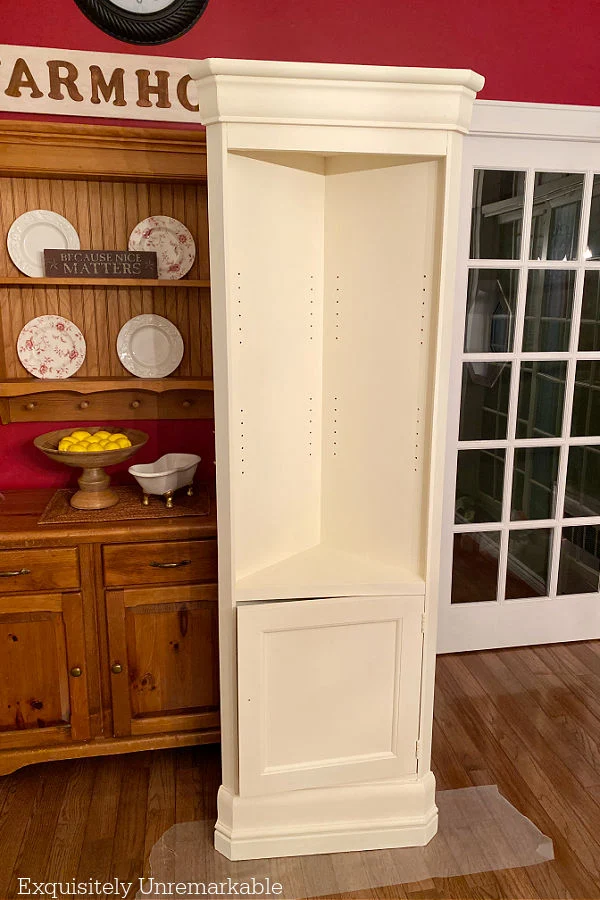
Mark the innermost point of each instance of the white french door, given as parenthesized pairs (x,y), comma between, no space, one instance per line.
(521,555)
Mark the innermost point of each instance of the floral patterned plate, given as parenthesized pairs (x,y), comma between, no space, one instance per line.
(173,243)
(51,347)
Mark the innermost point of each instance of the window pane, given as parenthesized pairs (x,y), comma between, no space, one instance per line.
(535,473)
(541,396)
(579,560)
(475,567)
(484,401)
(593,247)
(582,496)
(589,333)
(586,399)
(528,563)
(491,304)
(548,310)
(556,215)
(479,485)
(497,217)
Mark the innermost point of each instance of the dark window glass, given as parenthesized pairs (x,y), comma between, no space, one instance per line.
(548,310)
(582,495)
(484,401)
(541,397)
(579,560)
(535,471)
(497,216)
(589,331)
(556,214)
(491,305)
(586,399)
(479,485)
(528,563)
(593,244)
(475,567)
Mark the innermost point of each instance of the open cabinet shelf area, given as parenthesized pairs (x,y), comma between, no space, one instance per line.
(330,452)
(324,571)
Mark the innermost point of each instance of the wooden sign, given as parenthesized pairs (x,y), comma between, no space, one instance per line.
(100,264)
(87,83)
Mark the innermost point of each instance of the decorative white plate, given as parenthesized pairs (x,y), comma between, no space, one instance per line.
(150,346)
(51,347)
(173,243)
(34,232)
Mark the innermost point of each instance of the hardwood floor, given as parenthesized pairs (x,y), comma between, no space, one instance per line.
(527,720)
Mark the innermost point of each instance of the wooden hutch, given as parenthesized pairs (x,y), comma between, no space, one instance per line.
(108,630)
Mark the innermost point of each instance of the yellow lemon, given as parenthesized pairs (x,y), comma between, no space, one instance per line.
(94,446)
(102,435)
(81,447)
(123,443)
(65,444)
(110,445)
(80,435)
(119,437)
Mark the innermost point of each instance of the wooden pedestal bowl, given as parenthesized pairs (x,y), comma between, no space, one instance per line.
(94,491)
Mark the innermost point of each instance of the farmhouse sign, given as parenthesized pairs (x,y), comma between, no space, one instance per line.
(112,85)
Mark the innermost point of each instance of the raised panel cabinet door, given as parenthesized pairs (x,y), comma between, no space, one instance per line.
(163,659)
(329,691)
(43,679)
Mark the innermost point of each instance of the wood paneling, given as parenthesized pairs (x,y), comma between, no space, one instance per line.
(63,150)
(104,214)
(168,562)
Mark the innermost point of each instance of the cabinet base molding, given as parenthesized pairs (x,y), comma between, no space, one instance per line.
(327,820)
(11,760)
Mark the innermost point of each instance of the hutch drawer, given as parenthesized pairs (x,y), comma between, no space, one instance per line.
(166,562)
(42,569)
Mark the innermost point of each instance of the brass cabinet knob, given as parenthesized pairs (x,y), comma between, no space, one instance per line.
(30,405)
(84,404)
(116,668)
(186,404)
(76,671)
(135,404)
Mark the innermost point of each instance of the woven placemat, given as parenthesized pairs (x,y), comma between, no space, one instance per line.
(60,512)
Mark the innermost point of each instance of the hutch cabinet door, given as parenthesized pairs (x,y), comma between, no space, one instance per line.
(163,658)
(328,691)
(43,687)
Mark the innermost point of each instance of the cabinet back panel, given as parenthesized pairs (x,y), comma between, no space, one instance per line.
(380,238)
(275,235)
(104,214)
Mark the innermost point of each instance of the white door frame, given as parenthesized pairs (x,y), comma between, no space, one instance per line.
(517,136)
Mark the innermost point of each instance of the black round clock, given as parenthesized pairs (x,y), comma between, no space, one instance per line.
(143,21)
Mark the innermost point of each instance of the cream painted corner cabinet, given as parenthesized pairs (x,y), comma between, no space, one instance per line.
(333,194)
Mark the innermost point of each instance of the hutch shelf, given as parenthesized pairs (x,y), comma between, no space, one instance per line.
(110,627)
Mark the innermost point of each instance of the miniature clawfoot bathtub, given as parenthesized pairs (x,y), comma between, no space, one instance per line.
(165,476)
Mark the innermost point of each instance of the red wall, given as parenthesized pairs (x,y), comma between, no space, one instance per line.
(22,465)
(538,50)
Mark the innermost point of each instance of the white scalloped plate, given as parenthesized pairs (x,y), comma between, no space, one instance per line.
(34,232)
(51,347)
(150,346)
(172,242)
